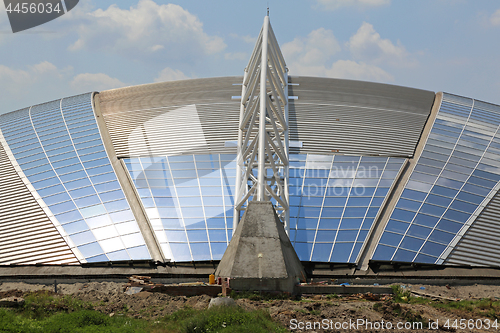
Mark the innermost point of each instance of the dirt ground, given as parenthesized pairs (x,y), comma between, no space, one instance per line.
(327,311)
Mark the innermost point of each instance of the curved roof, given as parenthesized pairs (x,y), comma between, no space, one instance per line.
(325,115)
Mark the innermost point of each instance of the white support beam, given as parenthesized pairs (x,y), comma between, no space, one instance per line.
(262,162)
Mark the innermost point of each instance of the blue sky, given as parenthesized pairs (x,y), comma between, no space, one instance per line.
(438,45)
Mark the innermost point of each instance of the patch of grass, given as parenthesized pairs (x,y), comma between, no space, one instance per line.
(332,296)
(220,319)
(81,321)
(401,295)
(42,304)
(48,313)
(485,307)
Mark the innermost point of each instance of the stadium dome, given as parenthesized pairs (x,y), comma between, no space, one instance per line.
(363,175)
(378,174)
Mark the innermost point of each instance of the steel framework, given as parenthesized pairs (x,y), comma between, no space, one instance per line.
(262,162)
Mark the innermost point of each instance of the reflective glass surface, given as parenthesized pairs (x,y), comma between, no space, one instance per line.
(334,201)
(189,201)
(458,168)
(58,147)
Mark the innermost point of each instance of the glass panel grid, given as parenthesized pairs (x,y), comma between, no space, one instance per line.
(448,192)
(333,203)
(69,177)
(190,198)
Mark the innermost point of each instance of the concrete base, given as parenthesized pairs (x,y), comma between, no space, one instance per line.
(260,255)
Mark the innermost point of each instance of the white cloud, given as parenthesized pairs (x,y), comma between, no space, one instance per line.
(368,45)
(348,69)
(314,56)
(236,56)
(16,81)
(247,39)
(169,74)
(11,79)
(38,83)
(157,47)
(94,82)
(148,27)
(32,84)
(335,4)
(495,18)
(319,46)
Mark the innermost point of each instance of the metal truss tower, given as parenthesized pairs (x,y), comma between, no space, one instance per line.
(262,162)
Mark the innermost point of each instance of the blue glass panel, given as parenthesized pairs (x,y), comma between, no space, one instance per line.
(111,196)
(122,216)
(390,238)
(201,251)
(197,236)
(54,199)
(303,251)
(68,217)
(432,248)
(409,204)
(438,200)
(402,215)
(305,235)
(418,231)
(475,199)
(411,243)
(341,252)
(328,224)
(354,212)
(347,235)
(62,207)
(463,206)
(447,192)
(397,226)
(355,252)
(351,223)
(455,184)
(415,195)
(75,227)
(359,201)
(82,192)
(326,236)
(46,183)
(383,253)
(487,175)
(83,238)
(456,216)
(367,223)
(118,255)
(432,210)
(321,252)
(307,223)
(450,226)
(404,256)
(217,235)
(90,250)
(139,253)
(427,220)
(314,212)
(218,250)
(441,237)
(77,184)
(51,190)
(422,258)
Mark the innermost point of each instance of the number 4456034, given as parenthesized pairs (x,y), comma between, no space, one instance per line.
(40,8)
(471,324)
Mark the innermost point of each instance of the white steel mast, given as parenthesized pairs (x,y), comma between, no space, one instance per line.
(262,161)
